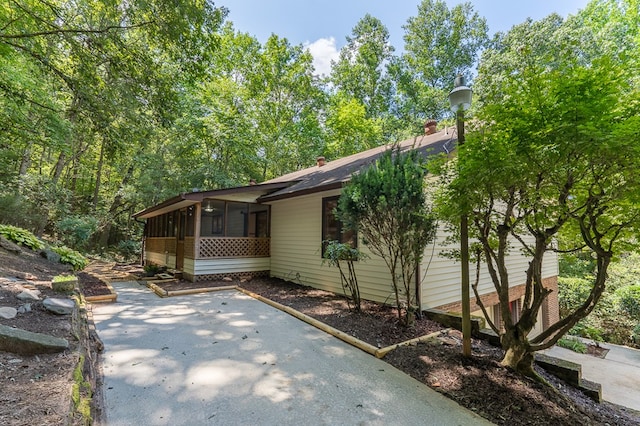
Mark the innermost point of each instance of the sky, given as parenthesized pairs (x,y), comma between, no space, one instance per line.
(322,26)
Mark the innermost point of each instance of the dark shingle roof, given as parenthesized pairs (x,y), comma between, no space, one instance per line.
(334,173)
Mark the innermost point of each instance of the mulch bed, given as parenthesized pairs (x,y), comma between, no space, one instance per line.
(91,285)
(478,383)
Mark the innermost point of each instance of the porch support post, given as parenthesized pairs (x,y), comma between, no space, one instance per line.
(196,231)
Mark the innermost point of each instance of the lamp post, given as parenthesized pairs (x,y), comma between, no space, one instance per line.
(460,100)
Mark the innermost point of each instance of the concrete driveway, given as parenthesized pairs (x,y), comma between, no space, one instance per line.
(618,372)
(227,359)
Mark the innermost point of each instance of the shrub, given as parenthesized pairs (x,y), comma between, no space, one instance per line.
(12,208)
(21,237)
(336,253)
(71,257)
(572,292)
(572,344)
(76,231)
(64,283)
(629,300)
(150,269)
(636,334)
(129,249)
(579,264)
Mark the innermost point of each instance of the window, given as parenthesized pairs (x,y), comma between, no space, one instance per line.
(332,228)
(514,308)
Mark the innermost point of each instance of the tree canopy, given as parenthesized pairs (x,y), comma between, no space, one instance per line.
(552,158)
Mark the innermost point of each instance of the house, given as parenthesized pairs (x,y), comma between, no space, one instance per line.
(276,229)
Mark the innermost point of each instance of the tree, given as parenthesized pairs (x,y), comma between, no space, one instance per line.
(348,130)
(360,110)
(285,110)
(386,204)
(440,43)
(360,73)
(553,159)
(97,81)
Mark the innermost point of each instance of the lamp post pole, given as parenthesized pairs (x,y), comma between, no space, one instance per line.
(460,99)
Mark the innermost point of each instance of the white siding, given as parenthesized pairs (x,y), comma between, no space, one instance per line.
(227,265)
(188,266)
(441,275)
(296,237)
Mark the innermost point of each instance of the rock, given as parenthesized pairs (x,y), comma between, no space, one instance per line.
(227,279)
(448,341)
(50,255)
(8,312)
(24,308)
(26,276)
(29,295)
(59,306)
(9,246)
(245,278)
(20,341)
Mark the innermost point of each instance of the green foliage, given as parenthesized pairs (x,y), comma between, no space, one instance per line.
(21,237)
(580,264)
(573,344)
(439,44)
(636,335)
(629,300)
(64,278)
(572,291)
(71,257)
(550,162)
(76,231)
(386,204)
(348,129)
(150,269)
(129,249)
(361,79)
(64,283)
(617,313)
(335,253)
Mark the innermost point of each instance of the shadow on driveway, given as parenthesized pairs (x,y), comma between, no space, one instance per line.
(227,359)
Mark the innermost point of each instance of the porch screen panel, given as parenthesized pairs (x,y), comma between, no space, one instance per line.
(237,219)
(212,217)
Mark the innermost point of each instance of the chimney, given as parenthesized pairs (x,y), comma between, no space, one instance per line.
(320,161)
(430,127)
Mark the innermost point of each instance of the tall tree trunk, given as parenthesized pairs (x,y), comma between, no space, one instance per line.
(96,189)
(25,162)
(57,171)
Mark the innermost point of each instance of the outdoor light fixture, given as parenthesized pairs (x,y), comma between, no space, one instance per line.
(460,100)
(460,96)
(208,207)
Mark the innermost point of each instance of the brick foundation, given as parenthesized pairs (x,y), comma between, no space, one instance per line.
(550,308)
